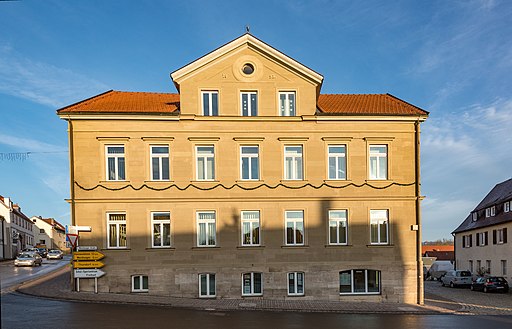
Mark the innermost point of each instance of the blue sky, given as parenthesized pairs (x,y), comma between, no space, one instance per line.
(452,58)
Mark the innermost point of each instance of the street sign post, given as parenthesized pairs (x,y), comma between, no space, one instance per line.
(89,273)
(88,255)
(88,264)
(86,248)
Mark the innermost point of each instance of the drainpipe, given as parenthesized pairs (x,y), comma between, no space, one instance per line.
(419,262)
(72,170)
(2,219)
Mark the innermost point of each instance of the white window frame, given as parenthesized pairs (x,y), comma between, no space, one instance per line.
(209,111)
(140,279)
(337,157)
(376,217)
(207,277)
(160,157)
(251,292)
(295,173)
(366,292)
(294,222)
(204,168)
(116,157)
(490,212)
(207,227)
(161,223)
(467,241)
(286,110)
(249,156)
(295,277)
(507,206)
(377,156)
(253,223)
(481,239)
(500,236)
(252,109)
(338,222)
(474,216)
(118,225)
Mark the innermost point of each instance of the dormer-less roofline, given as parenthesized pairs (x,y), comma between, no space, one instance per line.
(251,41)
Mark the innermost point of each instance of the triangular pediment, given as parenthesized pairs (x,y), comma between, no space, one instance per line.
(247,41)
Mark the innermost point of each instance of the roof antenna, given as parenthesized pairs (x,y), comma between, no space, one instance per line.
(247,28)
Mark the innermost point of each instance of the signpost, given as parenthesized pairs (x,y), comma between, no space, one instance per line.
(86,248)
(88,264)
(88,273)
(88,255)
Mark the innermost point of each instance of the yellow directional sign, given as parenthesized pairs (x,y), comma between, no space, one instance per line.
(88,255)
(88,264)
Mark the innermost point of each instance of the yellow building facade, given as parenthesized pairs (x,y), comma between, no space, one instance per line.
(249,183)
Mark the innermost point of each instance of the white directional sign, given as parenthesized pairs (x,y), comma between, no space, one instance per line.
(86,248)
(86,273)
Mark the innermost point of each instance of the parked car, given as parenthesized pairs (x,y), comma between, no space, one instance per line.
(439,268)
(491,283)
(28,259)
(54,254)
(455,278)
(43,251)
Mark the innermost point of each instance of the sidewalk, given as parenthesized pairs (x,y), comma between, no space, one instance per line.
(56,286)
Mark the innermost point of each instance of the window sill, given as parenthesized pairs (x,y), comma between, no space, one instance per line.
(159,181)
(249,181)
(359,293)
(250,247)
(114,181)
(205,248)
(160,248)
(298,181)
(116,249)
(337,245)
(205,181)
(337,181)
(380,246)
(298,246)
(387,180)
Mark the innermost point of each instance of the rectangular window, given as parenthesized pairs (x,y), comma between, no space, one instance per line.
(379,227)
(116,226)
(250,228)
(507,206)
(287,104)
(210,103)
(475,216)
(337,162)
(482,239)
(293,163)
(249,105)
(471,266)
(161,222)
(488,266)
(207,285)
(296,284)
(206,229)
(360,282)
(41,230)
(478,266)
(467,241)
(205,162)
(378,162)
(115,162)
(503,267)
(249,163)
(338,227)
(490,212)
(294,227)
(159,162)
(140,283)
(252,284)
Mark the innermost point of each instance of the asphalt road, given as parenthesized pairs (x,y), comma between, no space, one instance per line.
(21,311)
(11,276)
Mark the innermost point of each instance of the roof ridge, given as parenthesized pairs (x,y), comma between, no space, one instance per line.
(144,92)
(353,94)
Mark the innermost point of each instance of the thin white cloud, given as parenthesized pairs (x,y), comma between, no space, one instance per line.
(41,82)
(29,145)
(462,155)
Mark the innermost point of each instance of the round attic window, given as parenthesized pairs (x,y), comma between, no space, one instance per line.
(248,68)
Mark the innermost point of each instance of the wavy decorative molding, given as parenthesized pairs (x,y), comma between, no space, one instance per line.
(239,186)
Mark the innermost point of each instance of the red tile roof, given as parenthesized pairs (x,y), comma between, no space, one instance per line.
(372,104)
(126,102)
(426,248)
(163,103)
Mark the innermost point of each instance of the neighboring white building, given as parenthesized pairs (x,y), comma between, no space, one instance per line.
(481,241)
(17,231)
(49,232)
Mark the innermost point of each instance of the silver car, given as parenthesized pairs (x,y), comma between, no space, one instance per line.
(455,278)
(54,254)
(28,259)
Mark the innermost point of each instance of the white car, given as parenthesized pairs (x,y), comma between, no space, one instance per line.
(54,254)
